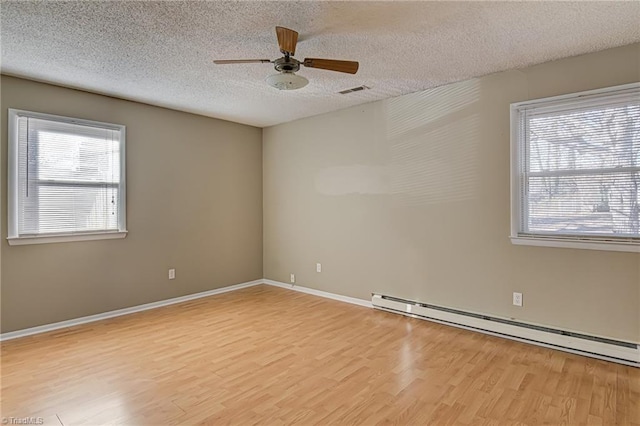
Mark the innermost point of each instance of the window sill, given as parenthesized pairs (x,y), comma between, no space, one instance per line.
(19,241)
(577,244)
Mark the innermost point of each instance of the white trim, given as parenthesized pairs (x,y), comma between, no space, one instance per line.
(125,311)
(12,173)
(553,99)
(516,212)
(139,308)
(325,294)
(576,243)
(505,331)
(122,188)
(595,349)
(581,172)
(39,239)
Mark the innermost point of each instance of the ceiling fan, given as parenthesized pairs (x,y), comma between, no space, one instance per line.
(286,79)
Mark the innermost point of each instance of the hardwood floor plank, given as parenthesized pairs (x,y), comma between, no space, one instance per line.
(264,355)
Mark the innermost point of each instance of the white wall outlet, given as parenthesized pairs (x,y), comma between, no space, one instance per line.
(517,299)
(293,278)
(172,274)
(318,267)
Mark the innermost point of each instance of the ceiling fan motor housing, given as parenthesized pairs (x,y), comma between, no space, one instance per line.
(286,64)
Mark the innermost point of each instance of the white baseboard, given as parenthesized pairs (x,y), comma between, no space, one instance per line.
(139,308)
(355,301)
(119,312)
(325,294)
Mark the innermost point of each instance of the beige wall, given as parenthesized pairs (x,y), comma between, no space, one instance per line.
(194,203)
(410,197)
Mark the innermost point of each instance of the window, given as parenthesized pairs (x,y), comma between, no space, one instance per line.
(575,176)
(66,179)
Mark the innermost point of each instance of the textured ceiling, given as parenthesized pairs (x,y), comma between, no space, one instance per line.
(161,52)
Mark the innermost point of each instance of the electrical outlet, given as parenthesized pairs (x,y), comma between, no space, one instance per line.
(517,299)
(172,274)
(293,278)
(318,267)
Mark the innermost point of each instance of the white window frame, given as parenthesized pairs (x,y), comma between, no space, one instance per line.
(12,183)
(517,148)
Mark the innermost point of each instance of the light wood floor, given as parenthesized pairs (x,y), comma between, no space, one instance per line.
(273,356)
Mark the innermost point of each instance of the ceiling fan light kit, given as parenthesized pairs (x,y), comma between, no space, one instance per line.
(286,79)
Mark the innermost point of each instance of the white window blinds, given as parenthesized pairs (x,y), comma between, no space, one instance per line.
(578,166)
(68,176)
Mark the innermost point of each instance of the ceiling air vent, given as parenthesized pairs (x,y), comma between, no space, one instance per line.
(355,89)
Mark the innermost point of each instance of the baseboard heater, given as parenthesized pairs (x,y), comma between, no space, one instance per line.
(627,353)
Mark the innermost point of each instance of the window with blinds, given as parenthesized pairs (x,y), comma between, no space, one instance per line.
(576,170)
(66,179)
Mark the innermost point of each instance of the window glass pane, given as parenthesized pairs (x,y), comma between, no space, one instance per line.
(69,157)
(69,208)
(588,139)
(605,205)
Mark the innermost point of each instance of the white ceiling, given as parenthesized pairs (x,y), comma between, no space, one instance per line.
(161,52)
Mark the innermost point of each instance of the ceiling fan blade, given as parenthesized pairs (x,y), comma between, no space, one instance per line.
(240,61)
(287,40)
(350,67)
